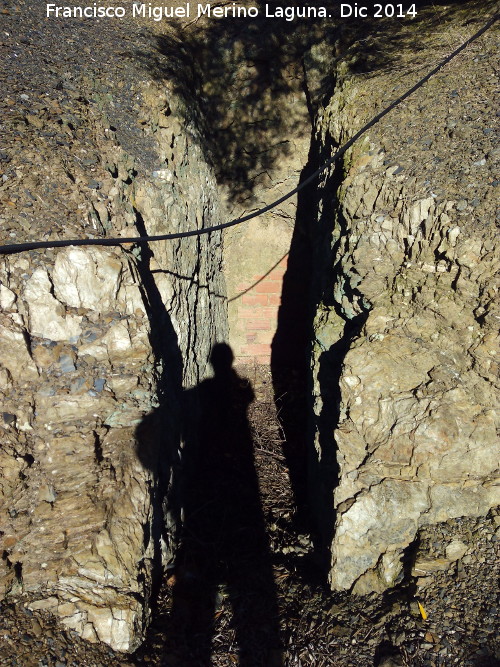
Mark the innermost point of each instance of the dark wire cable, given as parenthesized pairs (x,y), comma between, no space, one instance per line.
(35,245)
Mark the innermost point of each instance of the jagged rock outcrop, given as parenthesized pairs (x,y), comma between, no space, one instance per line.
(92,340)
(97,344)
(405,357)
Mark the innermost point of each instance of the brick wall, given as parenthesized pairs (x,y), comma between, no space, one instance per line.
(255,310)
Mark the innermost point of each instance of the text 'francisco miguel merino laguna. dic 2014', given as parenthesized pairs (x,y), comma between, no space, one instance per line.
(186,10)
(231,10)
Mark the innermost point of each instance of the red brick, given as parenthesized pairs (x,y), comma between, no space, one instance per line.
(266,336)
(255,349)
(258,313)
(274,299)
(275,274)
(241,360)
(269,287)
(263,360)
(255,299)
(269,312)
(258,324)
(251,338)
(251,313)
(247,312)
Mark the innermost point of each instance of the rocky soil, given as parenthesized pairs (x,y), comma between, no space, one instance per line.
(452,572)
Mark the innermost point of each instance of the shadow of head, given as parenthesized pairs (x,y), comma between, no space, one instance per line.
(148,442)
(221,359)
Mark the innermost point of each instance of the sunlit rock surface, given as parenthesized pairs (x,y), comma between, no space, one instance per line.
(405,358)
(94,339)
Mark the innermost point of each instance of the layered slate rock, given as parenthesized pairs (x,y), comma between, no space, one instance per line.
(96,344)
(405,356)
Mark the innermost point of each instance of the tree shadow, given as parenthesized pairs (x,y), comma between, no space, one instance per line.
(158,436)
(224,548)
(239,78)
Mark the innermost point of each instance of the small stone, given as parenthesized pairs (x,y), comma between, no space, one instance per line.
(428,565)
(340,631)
(99,384)
(162,174)
(46,493)
(8,418)
(66,364)
(455,550)
(423,582)
(79,384)
(36,627)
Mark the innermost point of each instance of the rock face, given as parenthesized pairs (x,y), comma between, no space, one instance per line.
(96,344)
(405,358)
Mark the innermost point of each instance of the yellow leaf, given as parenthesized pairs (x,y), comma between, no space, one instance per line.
(422,611)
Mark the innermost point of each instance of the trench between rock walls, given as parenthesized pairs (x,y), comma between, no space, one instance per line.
(287,337)
(249,178)
(251,153)
(179,291)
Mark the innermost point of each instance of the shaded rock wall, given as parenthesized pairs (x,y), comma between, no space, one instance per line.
(405,359)
(93,340)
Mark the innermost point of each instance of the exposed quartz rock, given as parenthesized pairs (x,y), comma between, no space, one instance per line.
(47,316)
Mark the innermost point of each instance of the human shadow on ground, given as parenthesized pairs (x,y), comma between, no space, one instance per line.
(224,550)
